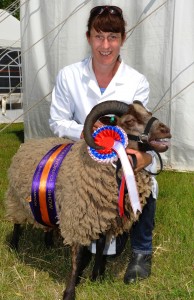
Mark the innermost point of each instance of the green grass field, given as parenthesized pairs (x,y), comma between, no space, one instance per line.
(36,273)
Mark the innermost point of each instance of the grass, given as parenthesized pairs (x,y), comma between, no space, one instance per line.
(36,273)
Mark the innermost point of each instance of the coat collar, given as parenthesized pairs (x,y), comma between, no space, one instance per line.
(89,76)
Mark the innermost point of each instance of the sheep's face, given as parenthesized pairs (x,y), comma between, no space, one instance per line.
(134,123)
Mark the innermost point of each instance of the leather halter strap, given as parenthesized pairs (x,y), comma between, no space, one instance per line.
(149,125)
(143,138)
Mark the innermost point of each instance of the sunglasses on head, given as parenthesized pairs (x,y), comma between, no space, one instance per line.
(113,10)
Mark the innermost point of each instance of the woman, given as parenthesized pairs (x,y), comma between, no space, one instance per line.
(101,77)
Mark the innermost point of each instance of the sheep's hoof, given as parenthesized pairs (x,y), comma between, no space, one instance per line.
(48,239)
(96,276)
(13,244)
(68,295)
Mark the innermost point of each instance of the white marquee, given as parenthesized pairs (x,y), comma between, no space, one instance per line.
(161,47)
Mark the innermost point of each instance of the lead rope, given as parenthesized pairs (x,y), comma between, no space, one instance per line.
(161,164)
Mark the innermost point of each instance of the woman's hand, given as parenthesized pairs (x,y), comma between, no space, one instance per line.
(96,126)
(143,159)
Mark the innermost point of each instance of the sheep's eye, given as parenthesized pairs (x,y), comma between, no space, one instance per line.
(108,120)
(130,122)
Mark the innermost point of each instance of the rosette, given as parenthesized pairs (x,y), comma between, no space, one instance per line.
(106,136)
(114,140)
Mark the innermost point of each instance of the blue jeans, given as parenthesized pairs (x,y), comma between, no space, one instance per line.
(141,231)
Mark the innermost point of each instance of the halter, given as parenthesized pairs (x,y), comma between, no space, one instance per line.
(143,138)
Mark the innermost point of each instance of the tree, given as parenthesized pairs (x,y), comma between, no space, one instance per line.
(12,7)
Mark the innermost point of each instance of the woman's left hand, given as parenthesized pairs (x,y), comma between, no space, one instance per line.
(97,125)
(143,159)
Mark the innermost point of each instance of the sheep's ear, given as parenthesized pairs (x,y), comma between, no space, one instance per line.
(137,102)
(142,106)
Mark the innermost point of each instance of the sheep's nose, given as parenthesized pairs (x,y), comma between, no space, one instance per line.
(165,129)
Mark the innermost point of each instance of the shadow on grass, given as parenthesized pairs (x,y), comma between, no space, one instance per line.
(33,252)
(56,261)
(13,130)
(19,134)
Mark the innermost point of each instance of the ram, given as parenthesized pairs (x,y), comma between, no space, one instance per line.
(86,192)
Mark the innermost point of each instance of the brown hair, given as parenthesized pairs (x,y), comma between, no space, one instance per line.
(106,21)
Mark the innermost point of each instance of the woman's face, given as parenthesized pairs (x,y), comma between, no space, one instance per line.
(105,46)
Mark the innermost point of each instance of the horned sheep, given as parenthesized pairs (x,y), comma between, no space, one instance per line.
(86,191)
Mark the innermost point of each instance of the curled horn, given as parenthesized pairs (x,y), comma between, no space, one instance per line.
(108,107)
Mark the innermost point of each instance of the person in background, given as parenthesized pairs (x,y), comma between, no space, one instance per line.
(105,76)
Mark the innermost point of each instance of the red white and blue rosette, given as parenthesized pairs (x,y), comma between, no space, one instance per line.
(114,140)
(106,136)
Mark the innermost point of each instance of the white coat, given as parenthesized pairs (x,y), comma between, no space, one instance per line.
(77,91)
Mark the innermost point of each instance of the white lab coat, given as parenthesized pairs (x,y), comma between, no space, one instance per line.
(77,91)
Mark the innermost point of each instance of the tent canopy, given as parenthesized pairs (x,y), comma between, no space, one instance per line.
(9,31)
(159,44)
(10,68)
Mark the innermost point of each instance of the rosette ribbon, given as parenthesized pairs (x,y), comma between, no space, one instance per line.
(114,140)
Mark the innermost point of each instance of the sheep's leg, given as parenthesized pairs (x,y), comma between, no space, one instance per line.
(76,252)
(84,262)
(15,237)
(100,259)
(48,239)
